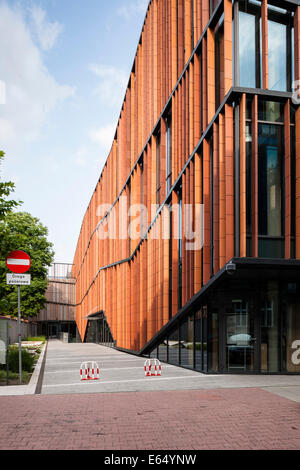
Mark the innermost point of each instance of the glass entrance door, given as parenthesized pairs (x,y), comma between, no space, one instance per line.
(239,338)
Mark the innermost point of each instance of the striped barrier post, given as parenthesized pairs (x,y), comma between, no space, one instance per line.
(152,368)
(89,371)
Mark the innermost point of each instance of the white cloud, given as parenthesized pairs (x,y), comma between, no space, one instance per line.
(112,84)
(31,91)
(103,136)
(46,32)
(130,9)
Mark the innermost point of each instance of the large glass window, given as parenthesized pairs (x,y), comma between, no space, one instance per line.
(291,328)
(277,54)
(162,351)
(269,322)
(173,348)
(219,61)
(198,340)
(247,54)
(213,349)
(270,179)
(248,43)
(293,181)
(187,343)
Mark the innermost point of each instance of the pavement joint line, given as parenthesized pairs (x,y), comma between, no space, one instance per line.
(101,369)
(52,361)
(99,382)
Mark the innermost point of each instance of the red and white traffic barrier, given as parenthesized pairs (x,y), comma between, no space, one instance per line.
(89,371)
(152,367)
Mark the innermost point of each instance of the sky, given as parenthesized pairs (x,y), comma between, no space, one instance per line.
(64,68)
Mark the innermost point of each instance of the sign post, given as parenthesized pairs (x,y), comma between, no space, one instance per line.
(18,262)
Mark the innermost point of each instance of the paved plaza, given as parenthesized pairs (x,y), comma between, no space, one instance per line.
(181,410)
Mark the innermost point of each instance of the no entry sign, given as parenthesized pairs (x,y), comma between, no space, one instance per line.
(18,262)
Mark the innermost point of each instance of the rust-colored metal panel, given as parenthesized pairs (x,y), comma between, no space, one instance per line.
(243,177)
(216,182)
(207,214)
(254,177)
(210,74)
(229,183)
(198,202)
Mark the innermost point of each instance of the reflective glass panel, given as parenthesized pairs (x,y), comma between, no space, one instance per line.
(270,179)
(187,343)
(277,56)
(198,341)
(173,348)
(269,321)
(247,50)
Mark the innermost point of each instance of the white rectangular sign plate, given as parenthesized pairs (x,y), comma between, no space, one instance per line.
(18,279)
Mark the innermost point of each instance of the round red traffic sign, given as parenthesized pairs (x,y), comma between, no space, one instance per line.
(18,262)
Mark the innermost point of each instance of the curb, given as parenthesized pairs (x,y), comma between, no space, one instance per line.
(32,386)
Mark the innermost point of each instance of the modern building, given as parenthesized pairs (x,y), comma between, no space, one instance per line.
(189,250)
(58,315)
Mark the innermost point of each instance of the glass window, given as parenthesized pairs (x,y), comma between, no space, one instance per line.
(213,341)
(270,111)
(154,354)
(162,351)
(198,341)
(292,55)
(247,54)
(269,323)
(187,343)
(206,343)
(277,56)
(270,151)
(291,326)
(168,153)
(293,181)
(219,69)
(173,348)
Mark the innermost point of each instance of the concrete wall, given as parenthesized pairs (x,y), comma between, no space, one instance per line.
(27,329)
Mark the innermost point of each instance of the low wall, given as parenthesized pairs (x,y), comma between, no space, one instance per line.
(27,329)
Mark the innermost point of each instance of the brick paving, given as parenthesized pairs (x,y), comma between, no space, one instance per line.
(248,418)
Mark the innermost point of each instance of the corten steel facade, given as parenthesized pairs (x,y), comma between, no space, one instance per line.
(59,313)
(209,118)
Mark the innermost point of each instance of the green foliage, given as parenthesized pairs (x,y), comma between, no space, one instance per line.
(13,360)
(22,231)
(13,377)
(5,189)
(36,339)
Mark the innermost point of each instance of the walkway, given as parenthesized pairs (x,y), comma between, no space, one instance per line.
(121,372)
(182,410)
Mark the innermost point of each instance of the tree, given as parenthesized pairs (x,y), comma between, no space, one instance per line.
(6,188)
(22,231)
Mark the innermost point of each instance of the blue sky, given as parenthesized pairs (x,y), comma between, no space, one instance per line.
(64,66)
